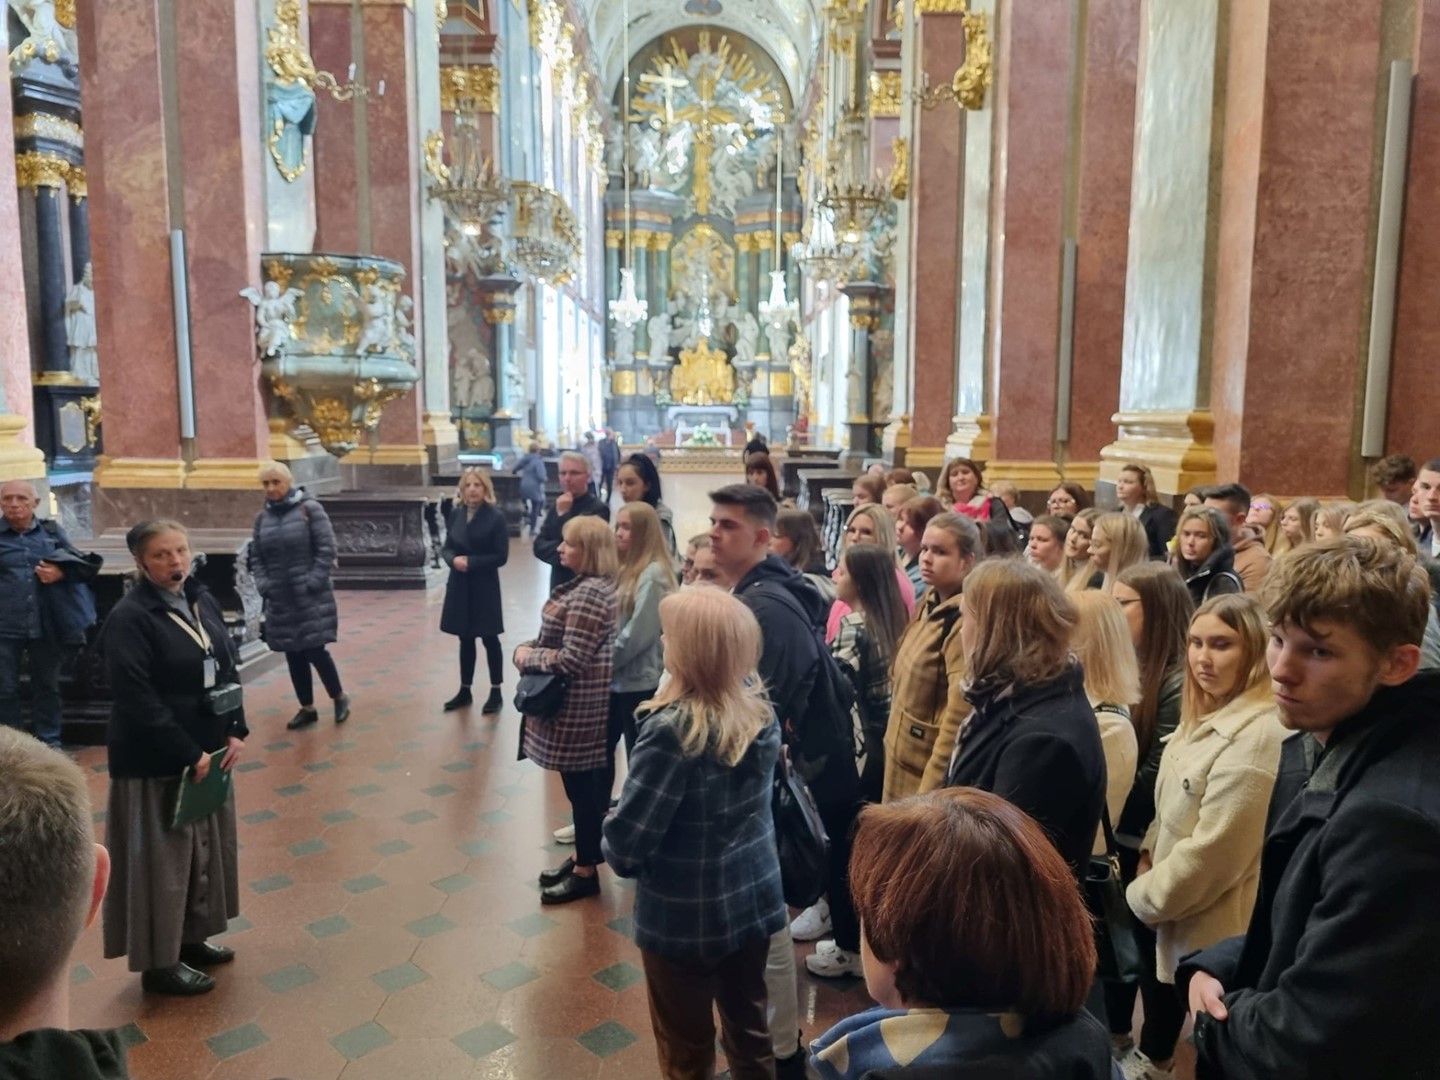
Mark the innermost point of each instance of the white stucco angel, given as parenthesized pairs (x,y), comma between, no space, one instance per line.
(378,313)
(80,327)
(747,342)
(273,312)
(46,36)
(404,326)
(644,153)
(658,327)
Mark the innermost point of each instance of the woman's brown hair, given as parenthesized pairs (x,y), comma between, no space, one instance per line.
(968,898)
(798,526)
(1167,608)
(950,467)
(1147,480)
(1243,614)
(918,511)
(1024,620)
(873,486)
(759,462)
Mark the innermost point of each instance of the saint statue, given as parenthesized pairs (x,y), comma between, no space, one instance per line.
(659,329)
(748,341)
(273,312)
(777,335)
(80,328)
(625,343)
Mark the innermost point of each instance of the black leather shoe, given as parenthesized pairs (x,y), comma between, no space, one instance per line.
(460,700)
(573,887)
(205,954)
(493,703)
(792,1067)
(342,708)
(559,874)
(303,718)
(179,980)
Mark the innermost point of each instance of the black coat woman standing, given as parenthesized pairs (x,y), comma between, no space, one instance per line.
(477,544)
(292,553)
(166,647)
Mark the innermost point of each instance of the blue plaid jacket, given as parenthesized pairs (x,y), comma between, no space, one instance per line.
(698,837)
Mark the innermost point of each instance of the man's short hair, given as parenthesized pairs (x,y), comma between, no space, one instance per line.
(1433,465)
(1356,581)
(1235,496)
(47,865)
(574,457)
(757,504)
(1395,469)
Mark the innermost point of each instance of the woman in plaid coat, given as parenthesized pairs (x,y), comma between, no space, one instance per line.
(577,640)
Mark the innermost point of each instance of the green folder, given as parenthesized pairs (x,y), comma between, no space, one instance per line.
(195,801)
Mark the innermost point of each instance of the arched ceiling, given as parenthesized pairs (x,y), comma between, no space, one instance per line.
(787,29)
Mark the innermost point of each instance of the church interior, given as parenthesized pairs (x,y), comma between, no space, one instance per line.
(380,241)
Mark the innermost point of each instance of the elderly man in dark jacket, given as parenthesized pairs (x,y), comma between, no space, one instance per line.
(574,501)
(1337,974)
(45,607)
(292,554)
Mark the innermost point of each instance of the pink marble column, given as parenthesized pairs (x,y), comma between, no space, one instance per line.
(1292,286)
(1107,150)
(130,222)
(1412,428)
(337,197)
(14,333)
(220,100)
(1031,105)
(936,176)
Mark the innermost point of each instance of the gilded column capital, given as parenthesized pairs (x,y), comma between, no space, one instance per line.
(884,93)
(745,243)
(35,169)
(475,86)
(76,182)
(660,241)
(940,7)
(499,314)
(614,238)
(640,238)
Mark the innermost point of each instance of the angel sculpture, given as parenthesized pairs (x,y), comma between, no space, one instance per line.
(404,332)
(273,312)
(378,312)
(748,342)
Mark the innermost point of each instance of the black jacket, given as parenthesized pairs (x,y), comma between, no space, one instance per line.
(1139,809)
(159,723)
(71,1055)
(547,544)
(1039,747)
(1339,972)
(1215,577)
(1159,521)
(60,612)
(472,599)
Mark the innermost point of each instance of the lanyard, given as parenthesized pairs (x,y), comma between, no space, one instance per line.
(200,638)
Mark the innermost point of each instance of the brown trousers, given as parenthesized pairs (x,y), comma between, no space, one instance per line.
(682,997)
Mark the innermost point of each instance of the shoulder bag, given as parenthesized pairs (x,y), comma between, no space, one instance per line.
(541,694)
(800,837)
(1116,946)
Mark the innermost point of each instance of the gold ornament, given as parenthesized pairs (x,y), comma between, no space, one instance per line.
(972,80)
(47,126)
(900,171)
(475,87)
(703,377)
(35,169)
(884,93)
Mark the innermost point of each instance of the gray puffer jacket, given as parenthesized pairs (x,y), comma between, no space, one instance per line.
(292,554)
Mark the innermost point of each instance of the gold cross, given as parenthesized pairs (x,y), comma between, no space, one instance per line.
(668,82)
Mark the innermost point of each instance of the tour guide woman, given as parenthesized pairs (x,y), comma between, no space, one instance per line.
(167,650)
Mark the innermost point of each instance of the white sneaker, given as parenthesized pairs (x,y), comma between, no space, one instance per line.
(834,965)
(1136,1066)
(565,835)
(824,948)
(813,922)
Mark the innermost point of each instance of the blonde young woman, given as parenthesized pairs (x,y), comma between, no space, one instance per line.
(477,544)
(1117,543)
(1297,524)
(1204,556)
(1135,488)
(1265,511)
(1076,571)
(693,827)
(1102,644)
(871,525)
(1200,861)
(1330,519)
(928,703)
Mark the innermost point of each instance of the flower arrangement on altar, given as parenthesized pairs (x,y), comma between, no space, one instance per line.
(703,437)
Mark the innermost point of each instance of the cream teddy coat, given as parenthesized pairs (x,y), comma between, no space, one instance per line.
(1211,798)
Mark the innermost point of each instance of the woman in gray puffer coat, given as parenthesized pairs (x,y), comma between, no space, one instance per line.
(292,554)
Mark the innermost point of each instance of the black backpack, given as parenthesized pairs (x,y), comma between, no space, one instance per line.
(822,731)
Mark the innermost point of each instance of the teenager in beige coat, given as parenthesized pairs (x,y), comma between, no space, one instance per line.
(1200,861)
(928,702)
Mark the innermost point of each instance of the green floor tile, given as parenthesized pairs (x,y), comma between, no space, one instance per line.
(338,817)
(273,883)
(429,926)
(236,1041)
(455,883)
(510,976)
(308,847)
(359,1041)
(476,848)
(417,817)
(619,976)
(259,817)
(290,790)
(363,884)
(531,925)
(609,1038)
(288,978)
(328,926)
(392,847)
(395,979)
(366,789)
(483,1040)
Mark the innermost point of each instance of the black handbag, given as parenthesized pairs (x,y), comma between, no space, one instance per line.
(541,694)
(1117,948)
(800,836)
(224,699)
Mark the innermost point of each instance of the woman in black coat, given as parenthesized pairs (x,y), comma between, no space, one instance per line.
(166,648)
(292,554)
(477,544)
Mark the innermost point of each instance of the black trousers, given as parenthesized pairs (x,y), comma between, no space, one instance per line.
(494,660)
(300,664)
(621,725)
(589,796)
(839,819)
(1164,1016)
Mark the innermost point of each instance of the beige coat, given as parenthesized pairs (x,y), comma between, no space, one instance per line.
(1122,756)
(1211,799)
(928,704)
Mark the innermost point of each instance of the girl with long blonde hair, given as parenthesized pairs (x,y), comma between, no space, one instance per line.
(1117,543)
(1102,644)
(694,828)
(1297,524)
(1076,571)
(871,524)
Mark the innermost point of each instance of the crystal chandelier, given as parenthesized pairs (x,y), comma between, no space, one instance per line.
(851,199)
(776,310)
(473,192)
(546,236)
(821,257)
(628,309)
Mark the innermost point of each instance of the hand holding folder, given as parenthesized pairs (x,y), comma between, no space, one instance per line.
(200,798)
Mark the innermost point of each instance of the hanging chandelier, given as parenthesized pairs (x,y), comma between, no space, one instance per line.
(545,234)
(822,257)
(776,310)
(474,194)
(851,198)
(629,309)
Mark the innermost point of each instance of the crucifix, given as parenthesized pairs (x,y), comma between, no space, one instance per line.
(706,116)
(667,82)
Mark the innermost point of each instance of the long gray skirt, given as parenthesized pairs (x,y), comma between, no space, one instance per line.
(168,887)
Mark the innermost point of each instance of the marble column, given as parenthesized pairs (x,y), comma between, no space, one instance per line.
(640,261)
(47,192)
(660,280)
(744,265)
(1163,418)
(79,221)
(932,280)
(1106,152)
(19,460)
(498,296)
(864,320)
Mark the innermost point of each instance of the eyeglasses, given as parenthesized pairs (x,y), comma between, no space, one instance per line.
(1261,506)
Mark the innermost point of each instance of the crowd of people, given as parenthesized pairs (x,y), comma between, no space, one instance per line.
(1233,706)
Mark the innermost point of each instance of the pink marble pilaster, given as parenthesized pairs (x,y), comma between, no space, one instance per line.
(130,226)
(1291,285)
(220,95)
(14,333)
(1032,97)
(1412,428)
(337,198)
(1107,150)
(936,171)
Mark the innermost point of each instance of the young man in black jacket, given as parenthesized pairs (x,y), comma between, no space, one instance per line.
(1337,974)
(52,877)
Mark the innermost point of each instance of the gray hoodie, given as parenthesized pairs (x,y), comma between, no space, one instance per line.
(639,658)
